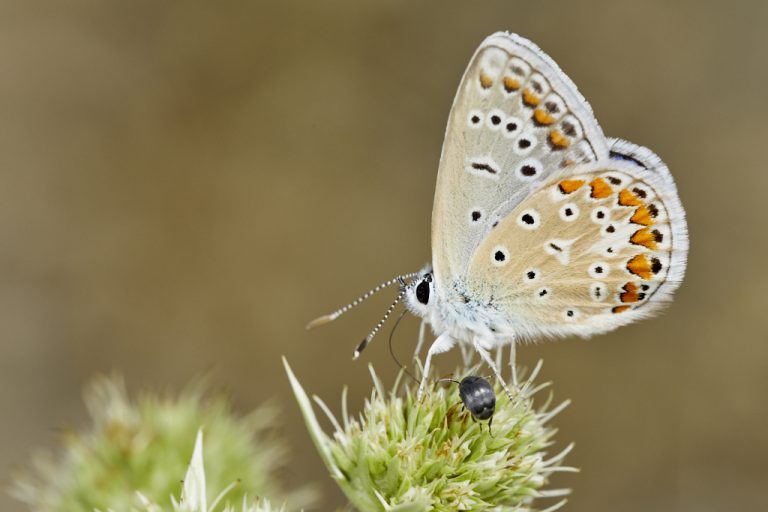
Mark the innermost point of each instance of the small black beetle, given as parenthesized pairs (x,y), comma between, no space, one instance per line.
(478,398)
(476,393)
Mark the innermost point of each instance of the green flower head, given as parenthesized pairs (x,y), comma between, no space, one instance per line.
(405,455)
(144,446)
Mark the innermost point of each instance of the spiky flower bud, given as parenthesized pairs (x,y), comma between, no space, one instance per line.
(143,446)
(405,455)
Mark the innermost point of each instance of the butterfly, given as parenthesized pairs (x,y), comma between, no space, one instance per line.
(541,226)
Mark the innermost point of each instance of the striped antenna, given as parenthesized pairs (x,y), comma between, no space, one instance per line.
(336,314)
(371,334)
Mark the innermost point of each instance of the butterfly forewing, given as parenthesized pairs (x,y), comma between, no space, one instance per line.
(516,120)
(595,248)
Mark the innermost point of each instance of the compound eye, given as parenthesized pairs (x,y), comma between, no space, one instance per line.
(422,292)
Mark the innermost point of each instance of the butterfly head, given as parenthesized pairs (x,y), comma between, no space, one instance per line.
(419,292)
(414,288)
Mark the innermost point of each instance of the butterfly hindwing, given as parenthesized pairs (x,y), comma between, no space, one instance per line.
(516,120)
(596,247)
(619,149)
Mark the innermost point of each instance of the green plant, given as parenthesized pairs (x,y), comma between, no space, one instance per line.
(144,446)
(404,455)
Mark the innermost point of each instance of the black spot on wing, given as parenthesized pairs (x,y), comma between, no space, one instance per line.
(484,167)
(628,158)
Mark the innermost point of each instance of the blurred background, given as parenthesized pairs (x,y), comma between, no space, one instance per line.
(186,184)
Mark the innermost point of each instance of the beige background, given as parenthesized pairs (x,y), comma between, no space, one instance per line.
(184,185)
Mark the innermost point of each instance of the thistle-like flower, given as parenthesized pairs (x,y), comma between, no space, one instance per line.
(405,455)
(143,446)
(194,492)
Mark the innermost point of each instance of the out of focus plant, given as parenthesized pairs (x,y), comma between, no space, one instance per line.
(402,454)
(194,494)
(143,446)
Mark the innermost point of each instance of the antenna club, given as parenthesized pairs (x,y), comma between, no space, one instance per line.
(360,348)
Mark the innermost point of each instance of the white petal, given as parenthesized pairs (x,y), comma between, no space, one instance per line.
(193,494)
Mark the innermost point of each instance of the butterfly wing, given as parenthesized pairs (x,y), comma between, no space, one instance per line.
(598,246)
(515,120)
(623,150)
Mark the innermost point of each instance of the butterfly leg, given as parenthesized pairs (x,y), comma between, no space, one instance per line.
(489,361)
(466,355)
(443,343)
(513,362)
(420,343)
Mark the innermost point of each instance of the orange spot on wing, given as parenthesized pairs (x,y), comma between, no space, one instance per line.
(511,84)
(645,215)
(646,238)
(558,140)
(643,266)
(627,198)
(530,99)
(568,186)
(543,117)
(485,81)
(631,293)
(619,309)
(600,189)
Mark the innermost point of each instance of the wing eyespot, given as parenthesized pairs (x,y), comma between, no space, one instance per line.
(499,256)
(599,270)
(571,127)
(569,212)
(519,68)
(529,219)
(598,292)
(600,215)
(512,127)
(495,119)
(529,169)
(531,275)
(475,119)
(524,144)
(571,314)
